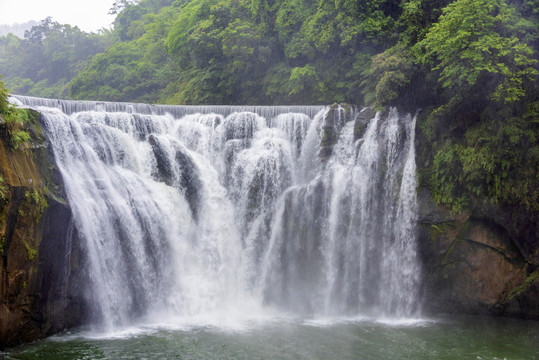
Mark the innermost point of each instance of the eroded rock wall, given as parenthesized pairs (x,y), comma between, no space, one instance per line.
(39,294)
(472,265)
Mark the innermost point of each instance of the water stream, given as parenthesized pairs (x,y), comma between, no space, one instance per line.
(204,212)
(250,232)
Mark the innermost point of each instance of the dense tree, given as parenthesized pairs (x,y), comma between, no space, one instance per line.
(484,127)
(287,51)
(49,56)
(475,45)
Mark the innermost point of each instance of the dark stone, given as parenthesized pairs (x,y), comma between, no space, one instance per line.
(472,265)
(337,116)
(188,181)
(362,121)
(164,165)
(42,296)
(524,304)
(428,212)
(61,281)
(521,225)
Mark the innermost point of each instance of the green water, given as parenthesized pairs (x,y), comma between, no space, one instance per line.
(465,338)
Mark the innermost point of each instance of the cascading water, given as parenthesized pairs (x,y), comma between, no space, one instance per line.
(198,211)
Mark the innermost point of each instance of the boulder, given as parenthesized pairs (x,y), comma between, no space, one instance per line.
(472,265)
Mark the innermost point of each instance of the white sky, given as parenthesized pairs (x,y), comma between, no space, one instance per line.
(88,15)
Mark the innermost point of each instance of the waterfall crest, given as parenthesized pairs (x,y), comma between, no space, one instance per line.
(186,212)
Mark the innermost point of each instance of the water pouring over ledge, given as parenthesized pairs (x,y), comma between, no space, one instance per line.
(214,214)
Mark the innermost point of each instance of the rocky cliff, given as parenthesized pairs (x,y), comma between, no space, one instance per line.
(37,240)
(472,265)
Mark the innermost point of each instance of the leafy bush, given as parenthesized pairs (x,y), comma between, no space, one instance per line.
(496,162)
(475,44)
(14,119)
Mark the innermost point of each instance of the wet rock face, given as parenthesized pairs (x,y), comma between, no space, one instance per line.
(361,122)
(524,300)
(472,265)
(337,116)
(38,282)
(183,176)
(60,279)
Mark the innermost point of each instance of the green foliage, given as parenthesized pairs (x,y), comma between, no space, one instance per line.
(14,121)
(19,138)
(3,189)
(495,162)
(109,76)
(416,19)
(135,70)
(219,45)
(4,103)
(216,51)
(302,79)
(36,202)
(31,253)
(475,43)
(48,57)
(387,76)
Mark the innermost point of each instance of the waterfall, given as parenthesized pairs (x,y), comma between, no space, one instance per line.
(187,211)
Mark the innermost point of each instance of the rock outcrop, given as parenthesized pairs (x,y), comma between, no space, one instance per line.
(331,126)
(39,245)
(472,265)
